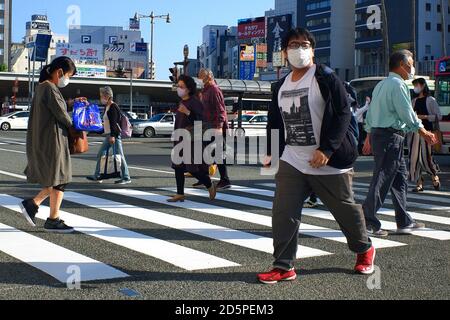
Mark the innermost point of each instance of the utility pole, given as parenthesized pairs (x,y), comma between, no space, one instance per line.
(385,37)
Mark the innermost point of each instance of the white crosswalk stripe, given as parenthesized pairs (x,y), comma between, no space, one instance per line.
(239,238)
(391,226)
(182,257)
(48,257)
(306,229)
(54,260)
(383,211)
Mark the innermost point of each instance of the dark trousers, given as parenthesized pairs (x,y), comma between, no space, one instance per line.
(181,179)
(293,188)
(362,137)
(390,174)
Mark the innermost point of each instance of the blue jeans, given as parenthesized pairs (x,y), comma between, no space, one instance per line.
(119,150)
(390,174)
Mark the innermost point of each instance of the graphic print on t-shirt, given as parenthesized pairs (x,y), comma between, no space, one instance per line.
(298,120)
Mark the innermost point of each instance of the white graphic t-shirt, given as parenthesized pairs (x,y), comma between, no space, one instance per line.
(303,108)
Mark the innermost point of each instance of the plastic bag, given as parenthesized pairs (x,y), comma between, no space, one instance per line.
(86,117)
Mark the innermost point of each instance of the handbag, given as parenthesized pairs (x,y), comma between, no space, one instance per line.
(86,117)
(78,142)
(437,148)
(110,165)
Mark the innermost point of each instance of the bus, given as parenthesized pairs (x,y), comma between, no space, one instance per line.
(442,78)
(439,88)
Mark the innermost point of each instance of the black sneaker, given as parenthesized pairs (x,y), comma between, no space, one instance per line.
(95,179)
(223,185)
(123,182)
(57,226)
(29,211)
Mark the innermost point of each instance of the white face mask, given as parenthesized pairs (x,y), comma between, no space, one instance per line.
(299,58)
(63,82)
(181,92)
(411,75)
(418,90)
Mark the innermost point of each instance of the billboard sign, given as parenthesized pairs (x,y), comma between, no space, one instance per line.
(247,62)
(39,17)
(277,28)
(80,52)
(135,24)
(252,28)
(247,53)
(33,25)
(261,55)
(91,71)
(138,47)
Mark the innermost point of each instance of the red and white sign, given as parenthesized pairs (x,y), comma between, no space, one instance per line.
(252,28)
(80,52)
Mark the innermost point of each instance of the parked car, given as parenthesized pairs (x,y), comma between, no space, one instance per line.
(14,121)
(160,124)
(252,124)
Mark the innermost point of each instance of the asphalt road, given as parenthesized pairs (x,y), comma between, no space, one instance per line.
(163,250)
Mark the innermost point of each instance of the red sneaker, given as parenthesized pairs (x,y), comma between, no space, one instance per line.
(277,275)
(365,262)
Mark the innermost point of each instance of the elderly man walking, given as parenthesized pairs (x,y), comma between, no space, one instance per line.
(389,118)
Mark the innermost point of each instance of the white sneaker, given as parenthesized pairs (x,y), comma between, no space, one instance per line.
(411,228)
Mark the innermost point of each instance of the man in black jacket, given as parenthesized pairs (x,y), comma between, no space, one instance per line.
(311,111)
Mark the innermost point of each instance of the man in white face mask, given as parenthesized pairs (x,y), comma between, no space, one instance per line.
(311,112)
(390,117)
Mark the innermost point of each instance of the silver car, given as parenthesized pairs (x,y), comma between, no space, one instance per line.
(160,124)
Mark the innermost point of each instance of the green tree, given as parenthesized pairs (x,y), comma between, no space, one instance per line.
(3,68)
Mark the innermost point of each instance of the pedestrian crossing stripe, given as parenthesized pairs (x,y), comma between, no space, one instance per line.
(410,196)
(421,196)
(383,211)
(305,229)
(315,213)
(182,257)
(51,258)
(235,237)
(412,204)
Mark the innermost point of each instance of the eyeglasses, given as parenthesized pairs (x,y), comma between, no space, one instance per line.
(298,45)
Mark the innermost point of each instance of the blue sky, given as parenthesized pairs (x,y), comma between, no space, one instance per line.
(188,18)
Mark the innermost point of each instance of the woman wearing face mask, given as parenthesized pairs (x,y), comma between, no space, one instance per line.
(48,152)
(420,157)
(189,111)
(113,138)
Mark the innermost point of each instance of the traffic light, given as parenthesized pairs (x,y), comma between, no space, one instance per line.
(175,74)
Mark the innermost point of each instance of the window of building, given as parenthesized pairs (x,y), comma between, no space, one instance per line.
(428,26)
(2,21)
(1,36)
(428,6)
(428,49)
(439,27)
(439,8)
(2,6)
(1,52)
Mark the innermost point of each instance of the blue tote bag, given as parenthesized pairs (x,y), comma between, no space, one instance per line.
(86,117)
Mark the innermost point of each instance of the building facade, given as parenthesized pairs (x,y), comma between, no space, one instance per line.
(122,49)
(5,33)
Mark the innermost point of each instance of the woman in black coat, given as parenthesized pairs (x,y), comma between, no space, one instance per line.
(189,111)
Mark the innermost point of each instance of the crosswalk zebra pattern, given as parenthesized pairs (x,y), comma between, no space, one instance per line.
(234,205)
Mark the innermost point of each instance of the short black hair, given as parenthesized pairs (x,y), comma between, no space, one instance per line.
(297,33)
(190,83)
(423,82)
(397,57)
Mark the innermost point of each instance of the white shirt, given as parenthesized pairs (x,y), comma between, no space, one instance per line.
(359,114)
(303,107)
(106,123)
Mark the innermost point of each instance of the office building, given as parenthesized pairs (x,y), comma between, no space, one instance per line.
(5,33)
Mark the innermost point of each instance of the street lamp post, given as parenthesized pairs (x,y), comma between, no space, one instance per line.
(186,59)
(152,18)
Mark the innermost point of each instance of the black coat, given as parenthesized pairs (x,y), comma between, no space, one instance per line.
(337,141)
